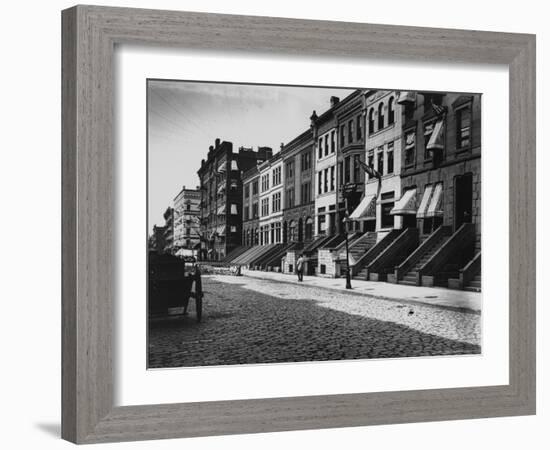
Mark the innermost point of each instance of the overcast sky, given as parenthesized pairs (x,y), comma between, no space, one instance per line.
(186,117)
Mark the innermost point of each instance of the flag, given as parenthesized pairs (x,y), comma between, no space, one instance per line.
(438,108)
(370,170)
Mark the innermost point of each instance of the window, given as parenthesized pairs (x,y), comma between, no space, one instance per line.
(390,157)
(380,156)
(290,169)
(332,141)
(234,208)
(325,185)
(305,193)
(410,144)
(265,182)
(233,229)
(350,131)
(188,231)
(463,128)
(326,145)
(428,130)
(391,111)
(320,183)
(347,170)
(340,173)
(320,148)
(245,213)
(332,178)
(265,207)
(278,232)
(359,128)
(309,229)
(321,223)
(356,169)
(381,116)
(255,210)
(306,161)
(277,176)
(290,198)
(255,187)
(188,206)
(371,121)
(276,202)
(247,190)
(342,135)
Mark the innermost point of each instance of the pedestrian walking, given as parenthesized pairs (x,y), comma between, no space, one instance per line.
(300,268)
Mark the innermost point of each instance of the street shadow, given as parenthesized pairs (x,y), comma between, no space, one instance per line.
(243,326)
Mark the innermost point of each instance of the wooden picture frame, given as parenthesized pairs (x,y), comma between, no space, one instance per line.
(90,34)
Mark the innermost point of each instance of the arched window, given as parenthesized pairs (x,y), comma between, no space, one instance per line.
(371,121)
(309,229)
(391,112)
(381,116)
(292,231)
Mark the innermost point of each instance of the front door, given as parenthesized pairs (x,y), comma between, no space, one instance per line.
(463,200)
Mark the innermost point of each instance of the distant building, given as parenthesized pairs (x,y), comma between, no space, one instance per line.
(221,196)
(169,230)
(156,240)
(187,220)
(271,200)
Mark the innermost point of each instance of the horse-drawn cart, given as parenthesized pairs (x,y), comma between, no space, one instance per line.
(171,282)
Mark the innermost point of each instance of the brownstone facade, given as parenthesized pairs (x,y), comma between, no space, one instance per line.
(451,159)
(299,207)
(251,205)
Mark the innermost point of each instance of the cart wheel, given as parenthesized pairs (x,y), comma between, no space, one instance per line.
(198,303)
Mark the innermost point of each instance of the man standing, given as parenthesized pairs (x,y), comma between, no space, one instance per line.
(300,268)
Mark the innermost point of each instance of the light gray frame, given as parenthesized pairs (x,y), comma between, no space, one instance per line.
(89,36)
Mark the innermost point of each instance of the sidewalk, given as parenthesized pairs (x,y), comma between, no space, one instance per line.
(435,296)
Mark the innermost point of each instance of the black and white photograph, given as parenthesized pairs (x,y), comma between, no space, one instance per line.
(292,224)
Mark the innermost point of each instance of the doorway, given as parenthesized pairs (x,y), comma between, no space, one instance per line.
(463,200)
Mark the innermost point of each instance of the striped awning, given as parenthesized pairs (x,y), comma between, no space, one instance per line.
(220,210)
(406,204)
(222,166)
(406,97)
(424,203)
(221,187)
(436,203)
(436,141)
(366,210)
(220,231)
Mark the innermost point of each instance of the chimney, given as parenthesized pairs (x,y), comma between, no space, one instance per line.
(282,145)
(217,142)
(334,101)
(313,118)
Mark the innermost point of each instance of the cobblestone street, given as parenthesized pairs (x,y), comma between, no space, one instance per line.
(248,320)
